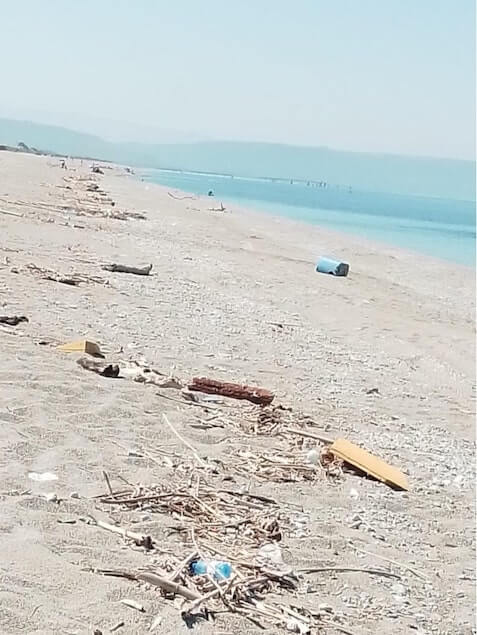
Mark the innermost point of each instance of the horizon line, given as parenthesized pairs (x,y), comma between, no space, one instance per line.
(246,142)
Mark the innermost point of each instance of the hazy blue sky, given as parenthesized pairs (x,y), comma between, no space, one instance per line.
(374,75)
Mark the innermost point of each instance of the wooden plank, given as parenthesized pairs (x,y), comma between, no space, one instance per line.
(372,465)
(259,396)
(81,346)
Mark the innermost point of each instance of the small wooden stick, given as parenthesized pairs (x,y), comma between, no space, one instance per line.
(337,627)
(183,564)
(386,574)
(140,539)
(184,402)
(309,435)
(212,594)
(167,585)
(106,478)
(186,443)
(133,605)
(418,574)
(4,211)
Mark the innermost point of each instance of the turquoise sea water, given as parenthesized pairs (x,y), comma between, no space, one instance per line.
(438,227)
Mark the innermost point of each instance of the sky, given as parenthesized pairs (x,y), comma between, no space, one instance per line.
(393,76)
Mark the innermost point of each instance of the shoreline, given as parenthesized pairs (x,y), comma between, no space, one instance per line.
(348,238)
(383,358)
(272,209)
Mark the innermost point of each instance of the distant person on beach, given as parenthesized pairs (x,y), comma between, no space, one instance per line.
(210,193)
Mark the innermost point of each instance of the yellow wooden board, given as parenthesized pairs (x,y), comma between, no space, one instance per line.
(81,346)
(363,460)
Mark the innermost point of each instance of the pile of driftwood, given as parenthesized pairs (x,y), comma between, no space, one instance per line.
(284,466)
(222,515)
(239,528)
(220,527)
(83,197)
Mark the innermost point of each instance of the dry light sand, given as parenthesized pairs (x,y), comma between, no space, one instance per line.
(400,322)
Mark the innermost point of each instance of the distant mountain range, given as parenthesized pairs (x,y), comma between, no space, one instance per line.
(442,178)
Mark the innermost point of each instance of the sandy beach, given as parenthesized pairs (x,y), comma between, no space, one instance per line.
(384,358)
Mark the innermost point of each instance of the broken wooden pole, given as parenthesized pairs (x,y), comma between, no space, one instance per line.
(138,271)
(260,396)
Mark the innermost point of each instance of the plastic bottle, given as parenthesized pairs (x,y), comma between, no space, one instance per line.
(218,569)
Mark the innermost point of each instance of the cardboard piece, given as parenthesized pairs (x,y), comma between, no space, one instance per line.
(81,346)
(363,460)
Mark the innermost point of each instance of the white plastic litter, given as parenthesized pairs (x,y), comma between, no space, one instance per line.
(42,477)
(313,457)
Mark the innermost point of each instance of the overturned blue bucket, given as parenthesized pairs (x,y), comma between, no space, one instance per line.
(334,267)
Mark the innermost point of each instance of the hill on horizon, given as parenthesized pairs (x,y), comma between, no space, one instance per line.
(421,176)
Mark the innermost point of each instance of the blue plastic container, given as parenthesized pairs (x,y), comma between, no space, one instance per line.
(334,267)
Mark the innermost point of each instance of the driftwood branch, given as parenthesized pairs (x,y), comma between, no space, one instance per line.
(12,320)
(186,443)
(180,198)
(98,367)
(72,282)
(138,271)
(260,396)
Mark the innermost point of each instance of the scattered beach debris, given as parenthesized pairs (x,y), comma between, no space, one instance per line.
(229,557)
(146,375)
(13,320)
(282,466)
(201,398)
(42,477)
(270,557)
(334,267)
(82,346)
(138,271)
(137,371)
(366,462)
(51,497)
(73,280)
(217,209)
(372,391)
(259,396)
(100,368)
(218,569)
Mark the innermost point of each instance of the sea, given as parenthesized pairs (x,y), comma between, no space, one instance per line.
(438,227)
